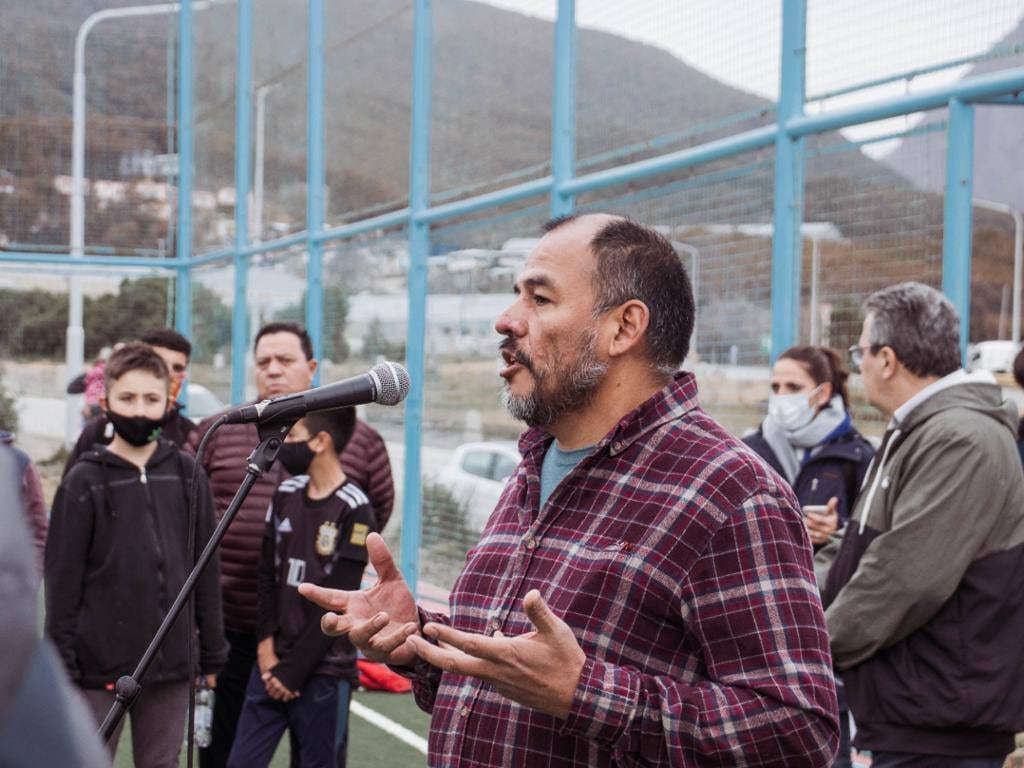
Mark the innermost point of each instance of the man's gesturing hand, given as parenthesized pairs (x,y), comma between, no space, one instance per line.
(540,669)
(377,620)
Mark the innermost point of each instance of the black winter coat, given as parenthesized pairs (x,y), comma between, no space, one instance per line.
(117,557)
(837,469)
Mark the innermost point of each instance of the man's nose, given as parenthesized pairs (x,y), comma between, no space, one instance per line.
(509,323)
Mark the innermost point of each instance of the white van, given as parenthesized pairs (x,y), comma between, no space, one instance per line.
(994,356)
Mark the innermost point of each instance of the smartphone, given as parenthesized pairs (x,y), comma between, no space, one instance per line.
(818,509)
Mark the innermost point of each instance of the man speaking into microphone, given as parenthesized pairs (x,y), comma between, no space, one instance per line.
(644,592)
(284,366)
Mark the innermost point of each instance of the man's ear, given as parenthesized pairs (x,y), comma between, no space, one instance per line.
(312,367)
(890,363)
(630,320)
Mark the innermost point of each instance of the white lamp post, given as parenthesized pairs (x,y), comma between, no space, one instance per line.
(74,357)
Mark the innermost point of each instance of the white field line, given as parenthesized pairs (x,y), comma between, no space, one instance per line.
(388,725)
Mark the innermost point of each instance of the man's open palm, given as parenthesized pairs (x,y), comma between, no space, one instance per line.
(377,620)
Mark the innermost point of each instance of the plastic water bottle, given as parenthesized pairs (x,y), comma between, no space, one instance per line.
(204,716)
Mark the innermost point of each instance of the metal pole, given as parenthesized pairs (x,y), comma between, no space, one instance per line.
(1018,257)
(183,294)
(956,243)
(257,202)
(789,181)
(419,250)
(315,180)
(243,169)
(563,110)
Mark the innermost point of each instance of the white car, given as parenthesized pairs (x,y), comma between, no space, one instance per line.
(476,474)
(202,402)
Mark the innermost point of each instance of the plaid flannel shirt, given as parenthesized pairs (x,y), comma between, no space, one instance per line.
(682,566)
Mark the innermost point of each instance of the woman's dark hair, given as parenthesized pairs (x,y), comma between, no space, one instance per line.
(823,365)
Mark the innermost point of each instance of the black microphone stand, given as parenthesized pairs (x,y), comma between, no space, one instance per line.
(129,686)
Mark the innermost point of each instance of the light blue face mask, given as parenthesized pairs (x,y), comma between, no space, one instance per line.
(792,412)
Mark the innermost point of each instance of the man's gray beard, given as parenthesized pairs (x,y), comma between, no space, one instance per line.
(577,390)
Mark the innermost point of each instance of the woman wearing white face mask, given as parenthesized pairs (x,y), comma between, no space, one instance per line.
(808,437)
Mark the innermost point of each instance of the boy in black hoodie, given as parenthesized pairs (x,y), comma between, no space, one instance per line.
(117,556)
(316,531)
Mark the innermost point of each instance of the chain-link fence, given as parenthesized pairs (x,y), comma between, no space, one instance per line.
(649,78)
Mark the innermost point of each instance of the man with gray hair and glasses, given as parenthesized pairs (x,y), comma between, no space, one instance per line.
(924,587)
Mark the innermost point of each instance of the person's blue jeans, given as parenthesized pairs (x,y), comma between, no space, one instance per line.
(313,717)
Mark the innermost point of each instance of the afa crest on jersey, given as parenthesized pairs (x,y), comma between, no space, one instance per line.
(326,539)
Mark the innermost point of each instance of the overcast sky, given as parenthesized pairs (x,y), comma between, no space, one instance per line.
(737,41)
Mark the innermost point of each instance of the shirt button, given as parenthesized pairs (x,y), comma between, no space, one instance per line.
(464,711)
(529,542)
(495,625)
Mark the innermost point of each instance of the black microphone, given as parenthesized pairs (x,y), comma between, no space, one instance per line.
(386,384)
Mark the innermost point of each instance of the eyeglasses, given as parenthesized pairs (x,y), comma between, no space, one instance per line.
(857,352)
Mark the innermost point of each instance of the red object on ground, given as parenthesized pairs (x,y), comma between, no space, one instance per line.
(377,677)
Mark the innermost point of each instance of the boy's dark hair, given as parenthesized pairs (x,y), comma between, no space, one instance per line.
(287,327)
(134,357)
(339,424)
(168,338)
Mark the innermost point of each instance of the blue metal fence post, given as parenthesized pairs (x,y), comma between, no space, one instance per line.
(183,293)
(419,250)
(243,179)
(563,108)
(956,240)
(787,251)
(315,180)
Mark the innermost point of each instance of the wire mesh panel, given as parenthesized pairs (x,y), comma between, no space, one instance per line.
(469,439)
(365,321)
(213,109)
(654,75)
(212,303)
(280,32)
(125,124)
(368,65)
(491,119)
(118,306)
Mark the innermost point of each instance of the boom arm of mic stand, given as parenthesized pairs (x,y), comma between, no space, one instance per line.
(259,461)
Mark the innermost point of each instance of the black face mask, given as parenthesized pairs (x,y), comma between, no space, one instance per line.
(136,430)
(296,457)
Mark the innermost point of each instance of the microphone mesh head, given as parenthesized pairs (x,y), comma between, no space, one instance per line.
(394,383)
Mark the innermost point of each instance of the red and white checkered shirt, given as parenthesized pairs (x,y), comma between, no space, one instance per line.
(682,566)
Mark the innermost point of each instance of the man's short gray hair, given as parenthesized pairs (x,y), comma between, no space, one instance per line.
(920,325)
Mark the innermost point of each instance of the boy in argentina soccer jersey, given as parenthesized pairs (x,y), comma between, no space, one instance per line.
(316,531)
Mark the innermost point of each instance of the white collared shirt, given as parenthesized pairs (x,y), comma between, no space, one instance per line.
(959,376)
